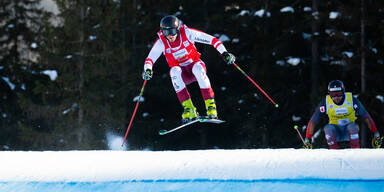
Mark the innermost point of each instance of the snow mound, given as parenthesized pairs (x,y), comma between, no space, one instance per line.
(252,164)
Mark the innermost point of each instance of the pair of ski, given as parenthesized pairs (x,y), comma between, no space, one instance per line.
(201,119)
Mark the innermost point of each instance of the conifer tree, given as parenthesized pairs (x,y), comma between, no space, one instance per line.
(19,69)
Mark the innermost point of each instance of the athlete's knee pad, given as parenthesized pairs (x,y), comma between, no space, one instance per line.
(177,80)
(175,71)
(198,68)
(330,136)
(331,129)
(200,73)
(352,128)
(353,131)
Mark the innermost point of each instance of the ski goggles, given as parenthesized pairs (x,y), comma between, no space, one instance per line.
(169,31)
(336,94)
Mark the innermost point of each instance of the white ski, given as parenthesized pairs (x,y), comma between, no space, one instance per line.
(202,119)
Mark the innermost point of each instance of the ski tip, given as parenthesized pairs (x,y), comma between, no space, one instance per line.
(276,105)
(295,127)
(162,132)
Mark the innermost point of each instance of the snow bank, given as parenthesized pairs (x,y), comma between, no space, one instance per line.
(258,164)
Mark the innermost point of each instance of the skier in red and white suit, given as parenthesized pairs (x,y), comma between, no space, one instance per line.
(176,41)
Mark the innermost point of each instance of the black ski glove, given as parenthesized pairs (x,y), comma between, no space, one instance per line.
(147,75)
(229,58)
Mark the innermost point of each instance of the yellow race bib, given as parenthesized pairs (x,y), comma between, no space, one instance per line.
(341,114)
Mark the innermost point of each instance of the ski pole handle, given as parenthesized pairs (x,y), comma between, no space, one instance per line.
(134,112)
(245,74)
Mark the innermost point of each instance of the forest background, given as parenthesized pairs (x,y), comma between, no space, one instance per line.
(69,76)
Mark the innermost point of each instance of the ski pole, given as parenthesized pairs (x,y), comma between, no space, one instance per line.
(276,105)
(295,127)
(134,112)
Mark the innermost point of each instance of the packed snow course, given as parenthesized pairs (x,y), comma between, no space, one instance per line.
(197,170)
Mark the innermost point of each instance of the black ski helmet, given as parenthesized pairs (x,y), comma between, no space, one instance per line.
(336,86)
(170,25)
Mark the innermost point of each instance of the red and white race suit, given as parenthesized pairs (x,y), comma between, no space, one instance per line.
(184,60)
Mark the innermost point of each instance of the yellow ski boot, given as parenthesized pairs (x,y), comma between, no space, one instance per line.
(189,113)
(210,105)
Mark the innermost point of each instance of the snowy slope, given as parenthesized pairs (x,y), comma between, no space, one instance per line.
(257,164)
